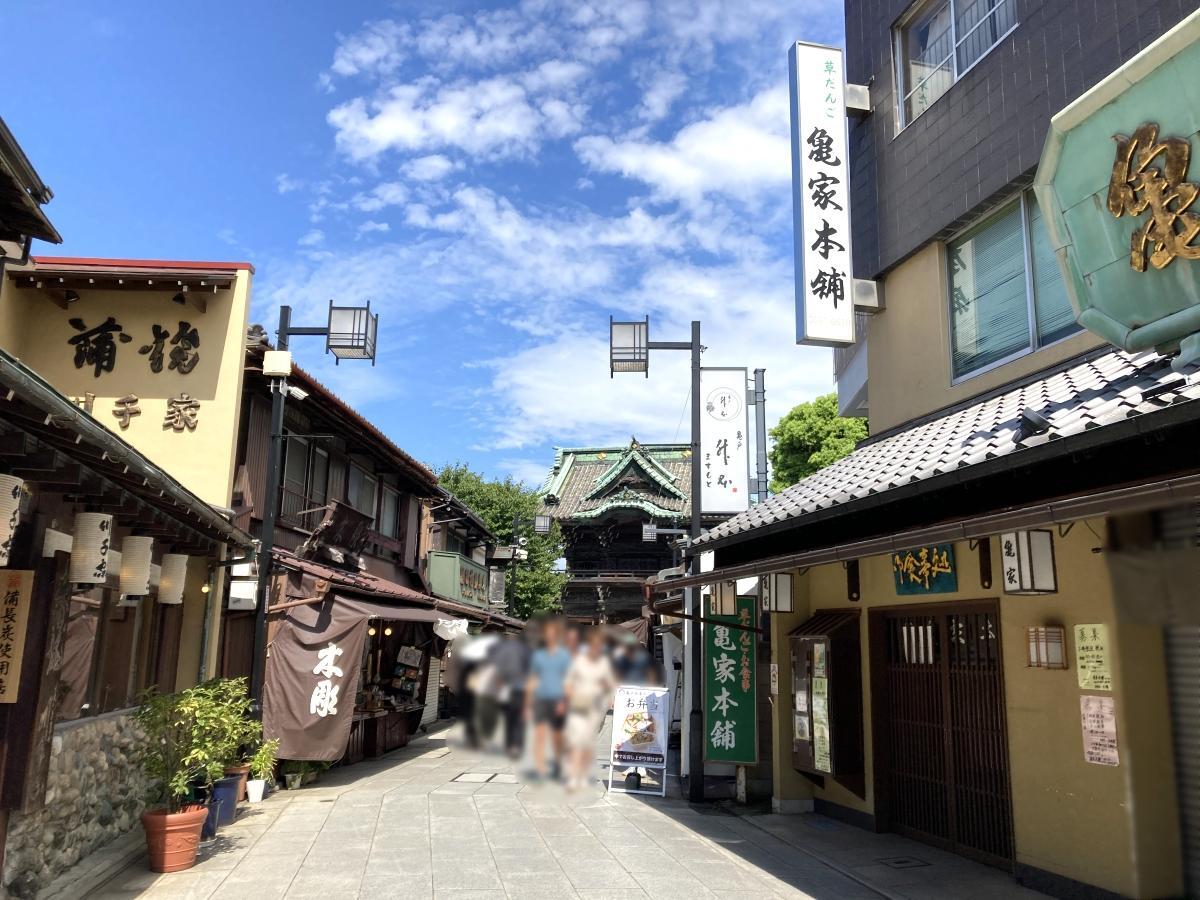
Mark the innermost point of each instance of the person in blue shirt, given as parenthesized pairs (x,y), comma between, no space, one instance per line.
(546,696)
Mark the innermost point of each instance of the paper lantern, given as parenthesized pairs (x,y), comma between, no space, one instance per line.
(10,513)
(135,565)
(114,566)
(174,573)
(90,544)
(1028,561)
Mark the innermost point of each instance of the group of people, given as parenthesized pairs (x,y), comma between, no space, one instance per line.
(558,679)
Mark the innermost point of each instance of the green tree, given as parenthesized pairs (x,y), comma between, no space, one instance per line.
(809,438)
(538,586)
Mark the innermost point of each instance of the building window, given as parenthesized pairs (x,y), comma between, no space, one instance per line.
(939,40)
(389,513)
(305,482)
(360,491)
(1006,292)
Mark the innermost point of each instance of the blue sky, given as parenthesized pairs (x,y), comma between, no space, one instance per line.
(497,179)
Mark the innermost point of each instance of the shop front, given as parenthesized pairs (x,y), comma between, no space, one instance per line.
(102,553)
(351,656)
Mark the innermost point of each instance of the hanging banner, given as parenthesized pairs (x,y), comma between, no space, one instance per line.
(16,596)
(820,197)
(640,731)
(730,695)
(724,447)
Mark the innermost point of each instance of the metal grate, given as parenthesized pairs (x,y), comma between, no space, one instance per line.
(944,735)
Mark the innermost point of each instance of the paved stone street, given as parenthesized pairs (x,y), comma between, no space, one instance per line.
(435,820)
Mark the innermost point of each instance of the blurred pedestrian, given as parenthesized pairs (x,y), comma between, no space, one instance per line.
(545,696)
(590,683)
(511,659)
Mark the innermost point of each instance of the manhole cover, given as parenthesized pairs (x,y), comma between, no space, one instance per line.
(904,862)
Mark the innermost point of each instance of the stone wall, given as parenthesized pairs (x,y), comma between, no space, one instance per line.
(94,793)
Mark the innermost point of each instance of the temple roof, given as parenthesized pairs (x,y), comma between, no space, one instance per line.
(588,483)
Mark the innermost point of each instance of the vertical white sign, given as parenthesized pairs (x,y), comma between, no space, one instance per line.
(821,197)
(724,442)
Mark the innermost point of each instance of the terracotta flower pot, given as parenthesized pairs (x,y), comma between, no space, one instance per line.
(172,839)
(244,773)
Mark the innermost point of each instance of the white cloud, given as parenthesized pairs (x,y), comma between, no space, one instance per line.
(313,238)
(387,193)
(376,50)
(740,151)
(429,168)
(488,118)
(372,227)
(530,472)
(285,183)
(662,91)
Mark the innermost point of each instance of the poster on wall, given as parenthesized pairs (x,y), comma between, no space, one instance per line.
(16,596)
(1092,658)
(1099,720)
(820,197)
(820,724)
(724,443)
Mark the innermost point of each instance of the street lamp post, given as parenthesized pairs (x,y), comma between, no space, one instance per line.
(541,525)
(629,351)
(349,334)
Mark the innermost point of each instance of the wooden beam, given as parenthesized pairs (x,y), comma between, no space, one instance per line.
(48,694)
(197,300)
(64,477)
(32,463)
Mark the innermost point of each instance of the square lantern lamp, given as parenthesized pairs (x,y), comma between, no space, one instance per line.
(629,347)
(724,599)
(1027,562)
(352,332)
(1047,647)
(541,524)
(777,593)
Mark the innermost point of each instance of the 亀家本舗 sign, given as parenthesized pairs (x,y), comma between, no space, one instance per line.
(820,197)
(730,707)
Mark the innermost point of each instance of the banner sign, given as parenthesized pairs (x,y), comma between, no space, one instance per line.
(724,447)
(640,730)
(16,596)
(730,694)
(820,197)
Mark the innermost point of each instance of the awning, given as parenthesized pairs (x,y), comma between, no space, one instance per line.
(824,624)
(386,611)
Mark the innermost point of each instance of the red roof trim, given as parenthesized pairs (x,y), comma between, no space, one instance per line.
(97,262)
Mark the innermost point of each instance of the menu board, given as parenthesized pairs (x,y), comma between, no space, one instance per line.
(820,723)
(1099,720)
(1092,658)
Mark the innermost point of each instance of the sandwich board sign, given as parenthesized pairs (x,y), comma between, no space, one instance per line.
(640,728)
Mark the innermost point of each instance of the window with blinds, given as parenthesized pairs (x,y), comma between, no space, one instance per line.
(1007,297)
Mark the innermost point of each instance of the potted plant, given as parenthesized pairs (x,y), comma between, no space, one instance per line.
(177,754)
(262,767)
(293,772)
(237,729)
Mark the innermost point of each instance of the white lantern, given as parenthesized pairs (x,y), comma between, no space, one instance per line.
(724,599)
(10,512)
(135,565)
(1027,562)
(243,588)
(174,573)
(777,592)
(90,545)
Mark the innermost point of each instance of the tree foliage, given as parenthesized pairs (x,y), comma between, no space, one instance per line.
(538,586)
(809,438)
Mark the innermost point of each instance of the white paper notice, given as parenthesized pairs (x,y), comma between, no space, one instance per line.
(1099,720)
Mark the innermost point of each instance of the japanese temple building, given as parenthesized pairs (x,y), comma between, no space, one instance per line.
(602,497)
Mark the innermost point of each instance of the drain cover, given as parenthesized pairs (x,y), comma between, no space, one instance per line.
(474,777)
(903,862)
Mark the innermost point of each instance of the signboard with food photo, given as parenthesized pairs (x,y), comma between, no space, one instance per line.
(641,724)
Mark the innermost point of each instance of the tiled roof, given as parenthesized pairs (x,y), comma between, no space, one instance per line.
(1100,390)
(585,482)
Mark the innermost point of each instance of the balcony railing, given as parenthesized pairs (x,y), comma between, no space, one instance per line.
(299,511)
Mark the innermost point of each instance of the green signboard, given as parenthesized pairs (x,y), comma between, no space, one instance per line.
(730,695)
(925,570)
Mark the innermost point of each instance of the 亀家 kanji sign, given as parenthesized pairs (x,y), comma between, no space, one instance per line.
(730,713)
(820,197)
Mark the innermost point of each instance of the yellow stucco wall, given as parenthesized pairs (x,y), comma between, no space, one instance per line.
(908,361)
(1113,827)
(35,329)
